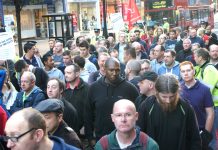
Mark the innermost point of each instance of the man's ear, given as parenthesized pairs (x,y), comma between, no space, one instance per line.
(77,74)
(38,135)
(112,117)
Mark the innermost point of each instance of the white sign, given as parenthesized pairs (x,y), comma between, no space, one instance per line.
(117,21)
(7,48)
(9,23)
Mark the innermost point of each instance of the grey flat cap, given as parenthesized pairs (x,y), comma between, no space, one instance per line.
(50,105)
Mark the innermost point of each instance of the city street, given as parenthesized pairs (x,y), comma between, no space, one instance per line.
(42,43)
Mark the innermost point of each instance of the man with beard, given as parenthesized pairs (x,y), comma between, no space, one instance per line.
(101,97)
(212,36)
(167,119)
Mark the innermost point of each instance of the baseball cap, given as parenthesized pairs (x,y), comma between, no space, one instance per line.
(50,105)
(203,22)
(96,30)
(149,75)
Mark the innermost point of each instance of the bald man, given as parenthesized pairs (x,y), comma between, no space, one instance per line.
(126,135)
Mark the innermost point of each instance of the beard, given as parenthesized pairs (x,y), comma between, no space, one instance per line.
(168,107)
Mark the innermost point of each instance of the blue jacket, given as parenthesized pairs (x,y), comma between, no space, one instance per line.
(174,70)
(36,96)
(59,144)
(197,39)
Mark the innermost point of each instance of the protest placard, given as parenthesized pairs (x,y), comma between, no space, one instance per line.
(7,47)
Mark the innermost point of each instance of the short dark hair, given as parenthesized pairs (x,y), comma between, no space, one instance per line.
(111,60)
(19,65)
(203,53)
(174,31)
(69,43)
(172,52)
(84,44)
(66,53)
(130,51)
(60,83)
(80,61)
(137,31)
(167,83)
(28,46)
(75,67)
(45,57)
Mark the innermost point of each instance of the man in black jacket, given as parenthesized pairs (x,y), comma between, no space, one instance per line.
(76,91)
(186,52)
(167,119)
(101,97)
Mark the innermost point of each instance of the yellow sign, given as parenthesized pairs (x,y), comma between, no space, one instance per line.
(160,4)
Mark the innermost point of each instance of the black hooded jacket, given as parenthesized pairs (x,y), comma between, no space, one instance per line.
(101,98)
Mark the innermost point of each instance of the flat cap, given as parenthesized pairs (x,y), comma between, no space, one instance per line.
(149,75)
(50,105)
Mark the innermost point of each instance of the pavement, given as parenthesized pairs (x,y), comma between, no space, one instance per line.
(42,43)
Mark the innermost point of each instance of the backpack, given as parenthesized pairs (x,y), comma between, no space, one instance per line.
(143,139)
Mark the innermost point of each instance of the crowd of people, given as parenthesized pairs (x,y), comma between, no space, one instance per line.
(142,90)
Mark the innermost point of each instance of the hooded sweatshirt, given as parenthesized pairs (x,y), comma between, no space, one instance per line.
(101,98)
(174,70)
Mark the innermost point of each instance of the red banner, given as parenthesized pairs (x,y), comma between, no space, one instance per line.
(133,14)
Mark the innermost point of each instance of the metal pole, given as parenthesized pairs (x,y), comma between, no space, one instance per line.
(105,33)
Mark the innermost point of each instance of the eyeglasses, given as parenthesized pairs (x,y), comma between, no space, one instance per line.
(15,138)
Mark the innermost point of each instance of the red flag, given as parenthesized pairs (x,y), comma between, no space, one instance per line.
(133,13)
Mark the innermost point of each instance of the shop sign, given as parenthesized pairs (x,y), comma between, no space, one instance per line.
(159,4)
(7,48)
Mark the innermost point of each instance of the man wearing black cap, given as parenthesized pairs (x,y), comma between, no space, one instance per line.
(146,83)
(30,57)
(53,109)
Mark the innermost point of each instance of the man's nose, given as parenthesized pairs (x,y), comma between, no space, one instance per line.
(10,144)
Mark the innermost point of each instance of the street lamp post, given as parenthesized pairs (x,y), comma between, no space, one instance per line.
(105,33)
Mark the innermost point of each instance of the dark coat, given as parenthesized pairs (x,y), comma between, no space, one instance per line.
(78,97)
(41,78)
(70,137)
(175,130)
(70,115)
(100,102)
(183,55)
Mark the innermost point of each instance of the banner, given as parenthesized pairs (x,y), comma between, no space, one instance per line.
(117,21)
(133,14)
(7,48)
